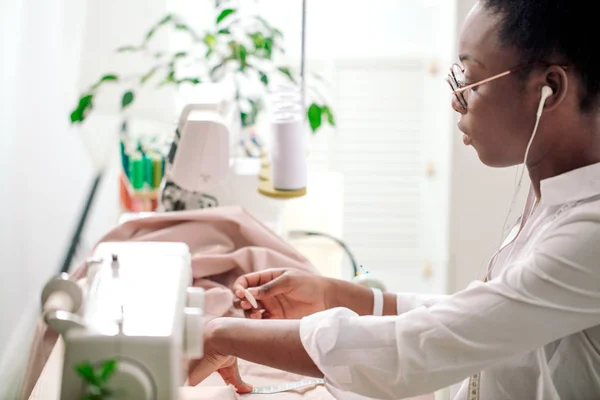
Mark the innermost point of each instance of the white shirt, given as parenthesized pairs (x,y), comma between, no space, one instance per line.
(532,330)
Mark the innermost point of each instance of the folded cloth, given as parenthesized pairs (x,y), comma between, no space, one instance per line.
(225,242)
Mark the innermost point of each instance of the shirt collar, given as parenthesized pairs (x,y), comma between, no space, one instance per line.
(576,185)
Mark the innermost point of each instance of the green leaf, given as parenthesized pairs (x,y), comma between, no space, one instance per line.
(269,48)
(150,33)
(224,31)
(181,54)
(329,114)
(107,370)
(242,54)
(109,78)
(165,19)
(210,40)
(216,68)
(105,78)
(83,107)
(182,27)
(87,373)
(315,114)
(127,48)
(286,71)
(244,118)
(264,22)
(224,14)
(192,80)
(208,53)
(170,78)
(264,78)
(148,75)
(127,99)
(258,39)
(76,116)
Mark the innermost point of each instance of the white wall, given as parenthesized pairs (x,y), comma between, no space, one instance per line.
(10,231)
(46,168)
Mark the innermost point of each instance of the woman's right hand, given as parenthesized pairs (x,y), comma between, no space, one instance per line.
(283,293)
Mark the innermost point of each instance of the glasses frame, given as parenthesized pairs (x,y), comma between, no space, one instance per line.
(459,91)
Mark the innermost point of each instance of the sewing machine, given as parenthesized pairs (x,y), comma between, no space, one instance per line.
(136,307)
(204,168)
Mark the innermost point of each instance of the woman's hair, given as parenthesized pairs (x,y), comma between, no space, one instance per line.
(564,29)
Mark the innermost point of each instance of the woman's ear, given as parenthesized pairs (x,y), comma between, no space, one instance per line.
(556,77)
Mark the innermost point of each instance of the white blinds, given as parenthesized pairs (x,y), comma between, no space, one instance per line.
(379,147)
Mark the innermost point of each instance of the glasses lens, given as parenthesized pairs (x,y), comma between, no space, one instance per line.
(456,79)
(458,75)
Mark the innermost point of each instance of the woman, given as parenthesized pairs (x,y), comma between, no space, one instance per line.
(531,330)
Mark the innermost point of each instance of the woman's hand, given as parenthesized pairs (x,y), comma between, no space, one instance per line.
(283,294)
(213,360)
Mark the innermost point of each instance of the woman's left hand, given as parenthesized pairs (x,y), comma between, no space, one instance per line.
(212,361)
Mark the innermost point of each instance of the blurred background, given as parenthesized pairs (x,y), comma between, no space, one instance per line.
(391,177)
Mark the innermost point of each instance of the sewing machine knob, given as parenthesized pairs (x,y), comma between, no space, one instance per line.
(193,340)
(133,381)
(61,293)
(195,297)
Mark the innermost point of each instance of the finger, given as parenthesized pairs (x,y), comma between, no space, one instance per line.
(231,376)
(200,370)
(255,279)
(277,286)
(253,314)
(245,305)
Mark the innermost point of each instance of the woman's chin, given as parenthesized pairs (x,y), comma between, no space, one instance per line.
(493,159)
(466,139)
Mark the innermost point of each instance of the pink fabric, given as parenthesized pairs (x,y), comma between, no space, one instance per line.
(225,243)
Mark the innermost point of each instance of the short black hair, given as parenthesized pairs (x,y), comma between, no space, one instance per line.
(568,29)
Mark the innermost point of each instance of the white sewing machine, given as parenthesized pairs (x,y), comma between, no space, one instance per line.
(203,168)
(136,307)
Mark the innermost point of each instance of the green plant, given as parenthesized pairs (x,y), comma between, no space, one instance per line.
(243,49)
(96,380)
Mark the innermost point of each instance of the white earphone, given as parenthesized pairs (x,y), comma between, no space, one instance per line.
(546,92)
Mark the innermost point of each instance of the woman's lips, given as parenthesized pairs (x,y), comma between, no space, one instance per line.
(466,138)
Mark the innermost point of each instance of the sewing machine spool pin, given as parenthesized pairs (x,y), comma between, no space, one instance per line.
(61,300)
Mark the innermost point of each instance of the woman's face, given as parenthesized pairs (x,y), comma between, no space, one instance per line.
(500,114)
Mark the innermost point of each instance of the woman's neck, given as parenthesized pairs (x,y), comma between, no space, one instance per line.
(577,148)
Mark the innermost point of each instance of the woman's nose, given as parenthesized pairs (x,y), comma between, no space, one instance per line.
(457,105)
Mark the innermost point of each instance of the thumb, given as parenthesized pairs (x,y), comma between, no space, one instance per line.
(277,286)
(231,376)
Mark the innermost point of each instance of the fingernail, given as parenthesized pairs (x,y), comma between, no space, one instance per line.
(250,297)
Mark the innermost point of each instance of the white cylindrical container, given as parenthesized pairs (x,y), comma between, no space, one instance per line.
(288,152)
(283,108)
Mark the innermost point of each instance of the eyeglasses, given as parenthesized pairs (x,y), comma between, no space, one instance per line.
(456,79)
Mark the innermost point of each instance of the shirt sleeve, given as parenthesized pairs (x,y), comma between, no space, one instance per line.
(409,301)
(550,294)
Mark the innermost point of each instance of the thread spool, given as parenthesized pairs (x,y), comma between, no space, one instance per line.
(288,153)
(136,171)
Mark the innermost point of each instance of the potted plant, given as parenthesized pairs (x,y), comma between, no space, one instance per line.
(242,49)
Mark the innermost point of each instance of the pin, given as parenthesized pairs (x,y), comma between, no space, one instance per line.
(250,298)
